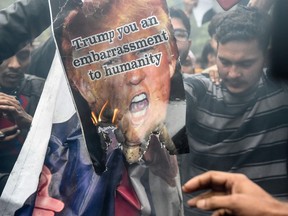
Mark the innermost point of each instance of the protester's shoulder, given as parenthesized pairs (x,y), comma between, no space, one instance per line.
(201,77)
(197,78)
(32,84)
(34,79)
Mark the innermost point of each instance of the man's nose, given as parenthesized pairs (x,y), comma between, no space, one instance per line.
(135,77)
(234,72)
(14,63)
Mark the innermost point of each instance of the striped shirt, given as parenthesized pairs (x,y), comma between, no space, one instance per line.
(246,134)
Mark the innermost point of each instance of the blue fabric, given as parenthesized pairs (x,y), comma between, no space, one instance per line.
(74,181)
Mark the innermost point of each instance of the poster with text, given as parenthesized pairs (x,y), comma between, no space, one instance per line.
(116,156)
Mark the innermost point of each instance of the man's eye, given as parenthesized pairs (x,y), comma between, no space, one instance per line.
(23,55)
(113,61)
(144,51)
(225,63)
(245,64)
(181,35)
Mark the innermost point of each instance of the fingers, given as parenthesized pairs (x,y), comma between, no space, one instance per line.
(13,110)
(13,136)
(41,212)
(8,99)
(210,180)
(215,202)
(3,95)
(9,133)
(49,203)
(214,76)
(221,204)
(10,104)
(12,128)
(192,202)
(222,212)
(44,182)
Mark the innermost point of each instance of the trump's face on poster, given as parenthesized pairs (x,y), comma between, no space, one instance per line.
(122,66)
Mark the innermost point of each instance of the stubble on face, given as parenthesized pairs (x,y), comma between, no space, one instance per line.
(240,65)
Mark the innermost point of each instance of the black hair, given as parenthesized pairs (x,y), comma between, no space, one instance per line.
(207,49)
(244,24)
(180,14)
(214,23)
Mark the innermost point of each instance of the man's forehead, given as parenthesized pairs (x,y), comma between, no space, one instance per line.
(239,46)
(178,22)
(239,52)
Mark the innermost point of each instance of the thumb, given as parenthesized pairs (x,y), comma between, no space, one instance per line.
(222,212)
(49,203)
(215,202)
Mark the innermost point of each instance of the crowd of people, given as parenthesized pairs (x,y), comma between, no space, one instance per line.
(236,101)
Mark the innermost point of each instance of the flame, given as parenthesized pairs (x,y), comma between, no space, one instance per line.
(102,110)
(96,120)
(115,115)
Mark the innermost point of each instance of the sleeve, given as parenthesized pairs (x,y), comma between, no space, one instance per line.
(195,90)
(21,22)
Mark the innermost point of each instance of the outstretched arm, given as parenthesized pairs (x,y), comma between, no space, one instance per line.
(232,194)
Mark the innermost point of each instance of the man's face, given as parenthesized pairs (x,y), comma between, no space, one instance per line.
(12,70)
(182,40)
(140,95)
(240,64)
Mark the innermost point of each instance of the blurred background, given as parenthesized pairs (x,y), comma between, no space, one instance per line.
(199,34)
(43,37)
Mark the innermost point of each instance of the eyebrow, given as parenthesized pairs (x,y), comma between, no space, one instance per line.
(236,62)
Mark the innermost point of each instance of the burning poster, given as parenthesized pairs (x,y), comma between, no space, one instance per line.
(119,65)
(116,156)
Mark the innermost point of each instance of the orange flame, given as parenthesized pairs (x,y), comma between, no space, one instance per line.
(102,110)
(115,115)
(96,120)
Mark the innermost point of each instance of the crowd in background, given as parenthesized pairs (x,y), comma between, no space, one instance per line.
(236,108)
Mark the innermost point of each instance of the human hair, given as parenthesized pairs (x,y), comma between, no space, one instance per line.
(244,24)
(86,20)
(207,49)
(178,13)
(214,23)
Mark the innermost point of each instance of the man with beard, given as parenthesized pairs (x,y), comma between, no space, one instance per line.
(19,96)
(239,126)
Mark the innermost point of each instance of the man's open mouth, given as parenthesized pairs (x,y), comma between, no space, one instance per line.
(138,108)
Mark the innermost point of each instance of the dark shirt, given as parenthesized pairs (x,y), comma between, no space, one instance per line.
(28,95)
